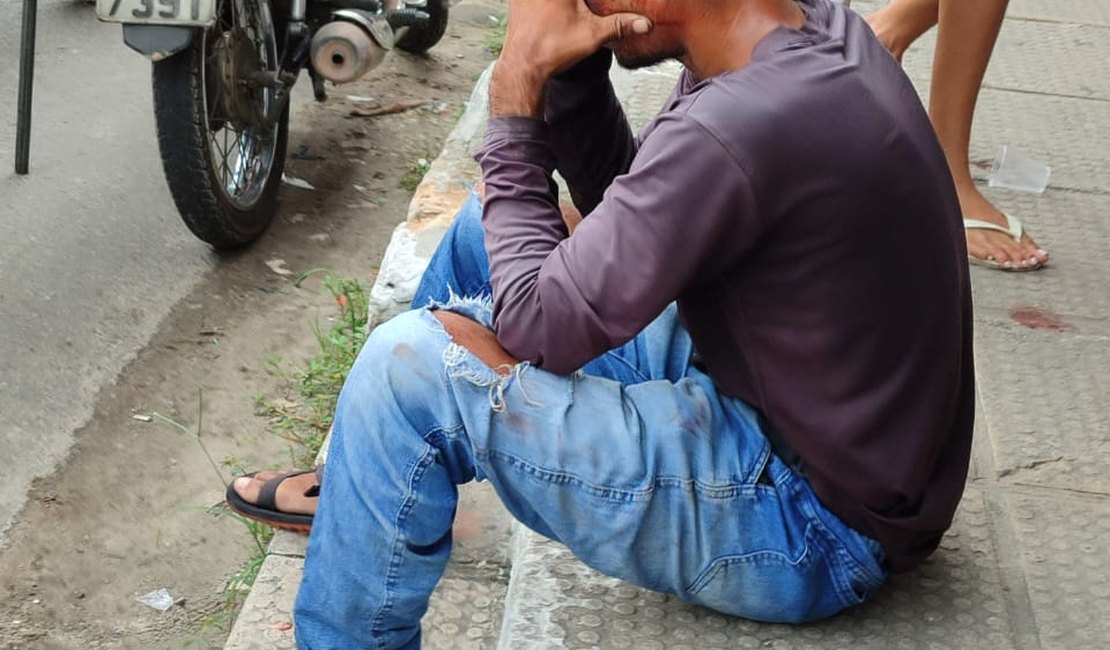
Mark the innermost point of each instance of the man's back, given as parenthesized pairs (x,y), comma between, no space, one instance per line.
(847,322)
(800,211)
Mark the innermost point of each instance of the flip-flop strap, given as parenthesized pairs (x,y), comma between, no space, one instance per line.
(314,491)
(1012,228)
(267,496)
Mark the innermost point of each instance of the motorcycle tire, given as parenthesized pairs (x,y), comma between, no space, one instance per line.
(419,40)
(190,163)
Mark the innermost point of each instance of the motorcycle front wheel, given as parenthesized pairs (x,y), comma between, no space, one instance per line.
(419,39)
(222,155)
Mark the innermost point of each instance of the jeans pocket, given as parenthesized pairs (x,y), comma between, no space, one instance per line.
(857,582)
(778,586)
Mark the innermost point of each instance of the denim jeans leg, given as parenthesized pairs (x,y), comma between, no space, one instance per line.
(382,532)
(657,483)
(459,266)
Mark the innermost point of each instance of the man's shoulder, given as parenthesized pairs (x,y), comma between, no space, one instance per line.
(742,113)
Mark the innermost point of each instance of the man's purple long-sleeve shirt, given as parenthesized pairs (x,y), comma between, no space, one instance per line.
(801,212)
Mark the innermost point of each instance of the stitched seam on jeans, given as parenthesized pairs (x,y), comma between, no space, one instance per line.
(398,543)
(835,556)
(624,494)
(809,508)
(780,559)
(843,573)
(446,434)
(639,374)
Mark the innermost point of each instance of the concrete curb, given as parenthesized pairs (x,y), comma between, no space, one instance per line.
(443,190)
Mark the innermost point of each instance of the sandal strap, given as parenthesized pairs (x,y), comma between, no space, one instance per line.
(267,496)
(314,491)
(1012,228)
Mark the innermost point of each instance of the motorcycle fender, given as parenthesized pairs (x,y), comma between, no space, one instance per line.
(157,42)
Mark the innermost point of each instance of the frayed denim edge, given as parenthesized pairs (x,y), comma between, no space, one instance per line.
(461,363)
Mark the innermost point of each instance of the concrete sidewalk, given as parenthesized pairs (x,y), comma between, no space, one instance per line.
(1026,564)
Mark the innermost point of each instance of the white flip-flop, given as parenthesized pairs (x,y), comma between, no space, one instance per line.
(1012,228)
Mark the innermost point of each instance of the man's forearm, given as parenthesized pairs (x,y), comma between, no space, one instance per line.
(590,135)
(516,90)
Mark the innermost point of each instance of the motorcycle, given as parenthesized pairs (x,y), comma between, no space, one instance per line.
(223,71)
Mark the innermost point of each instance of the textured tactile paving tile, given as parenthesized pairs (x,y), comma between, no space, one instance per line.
(1070,135)
(1065,57)
(1031,57)
(1063,542)
(1046,405)
(955,600)
(1075,283)
(1059,58)
(465,612)
(1094,12)
(466,607)
(1028,100)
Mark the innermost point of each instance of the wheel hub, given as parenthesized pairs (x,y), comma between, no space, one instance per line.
(235,61)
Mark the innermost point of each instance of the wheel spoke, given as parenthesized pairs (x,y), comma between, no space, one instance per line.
(219,153)
(223,160)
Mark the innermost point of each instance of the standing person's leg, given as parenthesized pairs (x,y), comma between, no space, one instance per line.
(666,485)
(966,35)
(901,22)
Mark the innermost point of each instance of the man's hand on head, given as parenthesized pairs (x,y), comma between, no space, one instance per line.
(545,37)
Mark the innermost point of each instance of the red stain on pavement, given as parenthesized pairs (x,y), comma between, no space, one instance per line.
(1038,318)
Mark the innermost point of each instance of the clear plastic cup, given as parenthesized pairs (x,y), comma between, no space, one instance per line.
(1016,172)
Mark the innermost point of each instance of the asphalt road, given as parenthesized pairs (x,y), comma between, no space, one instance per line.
(92,253)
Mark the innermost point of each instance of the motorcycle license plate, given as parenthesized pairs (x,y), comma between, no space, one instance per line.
(157,12)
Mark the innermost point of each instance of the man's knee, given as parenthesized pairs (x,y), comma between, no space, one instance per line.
(478,340)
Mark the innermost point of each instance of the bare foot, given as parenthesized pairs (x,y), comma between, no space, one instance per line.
(993,245)
(291,496)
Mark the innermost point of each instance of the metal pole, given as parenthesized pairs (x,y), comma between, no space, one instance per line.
(26,78)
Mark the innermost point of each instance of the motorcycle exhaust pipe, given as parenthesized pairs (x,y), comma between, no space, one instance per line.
(353,44)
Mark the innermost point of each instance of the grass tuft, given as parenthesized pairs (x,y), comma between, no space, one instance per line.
(239,585)
(304,415)
(495,40)
(414,175)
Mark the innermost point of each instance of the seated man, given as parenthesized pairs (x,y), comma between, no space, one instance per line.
(768,302)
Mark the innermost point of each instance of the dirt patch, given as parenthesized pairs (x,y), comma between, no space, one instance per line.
(126,513)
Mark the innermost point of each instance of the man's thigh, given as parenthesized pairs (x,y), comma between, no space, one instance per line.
(662,350)
(668,485)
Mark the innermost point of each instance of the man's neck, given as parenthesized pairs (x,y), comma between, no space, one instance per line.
(723,38)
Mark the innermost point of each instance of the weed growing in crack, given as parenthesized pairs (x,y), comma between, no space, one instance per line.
(495,40)
(414,175)
(304,415)
(239,584)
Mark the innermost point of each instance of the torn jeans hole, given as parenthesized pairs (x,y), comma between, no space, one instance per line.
(479,308)
(460,363)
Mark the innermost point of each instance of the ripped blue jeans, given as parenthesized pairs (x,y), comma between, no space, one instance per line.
(637,464)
